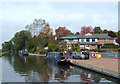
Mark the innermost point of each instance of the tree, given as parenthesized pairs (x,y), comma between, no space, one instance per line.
(78,48)
(71,33)
(118,40)
(47,31)
(73,47)
(77,33)
(8,46)
(21,39)
(119,33)
(97,30)
(85,30)
(105,31)
(111,34)
(62,46)
(50,46)
(37,26)
(61,31)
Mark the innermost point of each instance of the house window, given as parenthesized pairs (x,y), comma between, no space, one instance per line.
(82,46)
(87,45)
(66,41)
(93,40)
(75,40)
(114,40)
(82,40)
(106,40)
(69,46)
(87,40)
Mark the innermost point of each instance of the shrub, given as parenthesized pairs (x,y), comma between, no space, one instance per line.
(57,49)
(33,50)
(109,46)
(44,51)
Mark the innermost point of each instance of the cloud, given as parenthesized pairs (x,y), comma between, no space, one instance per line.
(15,16)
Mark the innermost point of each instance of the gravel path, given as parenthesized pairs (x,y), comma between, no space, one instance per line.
(109,65)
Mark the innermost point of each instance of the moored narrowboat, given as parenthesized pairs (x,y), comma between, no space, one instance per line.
(112,55)
(59,57)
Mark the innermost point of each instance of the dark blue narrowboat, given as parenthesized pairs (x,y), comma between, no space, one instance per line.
(59,57)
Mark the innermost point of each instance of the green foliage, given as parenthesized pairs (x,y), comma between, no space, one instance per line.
(98,50)
(44,51)
(33,50)
(116,33)
(50,46)
(109,46)
(78,48)
(119,50)
(21,39)
(56,49)
(103,50)
(77,33)
(97,30)
(3,53)
(119,33)
(73,47)
(8,46)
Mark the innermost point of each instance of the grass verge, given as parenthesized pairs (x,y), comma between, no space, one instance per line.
(3,53)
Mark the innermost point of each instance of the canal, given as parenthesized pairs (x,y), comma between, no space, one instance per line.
(17,68)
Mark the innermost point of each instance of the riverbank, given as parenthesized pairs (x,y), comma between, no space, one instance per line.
(31,54)
(105,66)
(3,53)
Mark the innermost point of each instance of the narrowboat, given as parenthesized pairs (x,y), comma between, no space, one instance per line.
(114,55)
(23,52)
(59,57)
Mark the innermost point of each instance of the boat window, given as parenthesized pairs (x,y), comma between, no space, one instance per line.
(78,53)
(73,53)
(61,54)
(84,53)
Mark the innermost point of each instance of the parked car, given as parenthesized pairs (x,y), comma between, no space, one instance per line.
(80,55)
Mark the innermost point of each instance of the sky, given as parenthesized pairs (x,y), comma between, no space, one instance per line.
(72,15)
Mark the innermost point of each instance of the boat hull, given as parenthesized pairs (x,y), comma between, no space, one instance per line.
(58,57)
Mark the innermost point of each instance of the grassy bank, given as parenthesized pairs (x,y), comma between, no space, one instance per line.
(3,53)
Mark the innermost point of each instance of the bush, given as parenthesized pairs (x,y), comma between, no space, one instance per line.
(98,50)
(57,49)
(33,50)
(109,46)
(44,51)
(118,49)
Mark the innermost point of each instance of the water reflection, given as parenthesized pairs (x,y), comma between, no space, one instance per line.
(40,69)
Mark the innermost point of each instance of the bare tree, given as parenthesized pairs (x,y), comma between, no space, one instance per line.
(37,26)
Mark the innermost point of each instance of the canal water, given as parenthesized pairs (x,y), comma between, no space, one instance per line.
(17,68)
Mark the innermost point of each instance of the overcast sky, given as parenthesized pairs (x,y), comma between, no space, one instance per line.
(16,15)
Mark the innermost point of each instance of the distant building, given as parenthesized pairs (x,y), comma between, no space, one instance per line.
(88,41)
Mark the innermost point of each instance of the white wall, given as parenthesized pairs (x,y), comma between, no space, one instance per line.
(79,40)
(90,40)
(96,40)
(66,40)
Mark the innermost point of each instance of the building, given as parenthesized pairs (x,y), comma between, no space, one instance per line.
(88,41)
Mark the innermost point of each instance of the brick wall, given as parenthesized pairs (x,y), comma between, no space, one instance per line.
(70,40)
(93,47)
(102,41)
(62,40)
